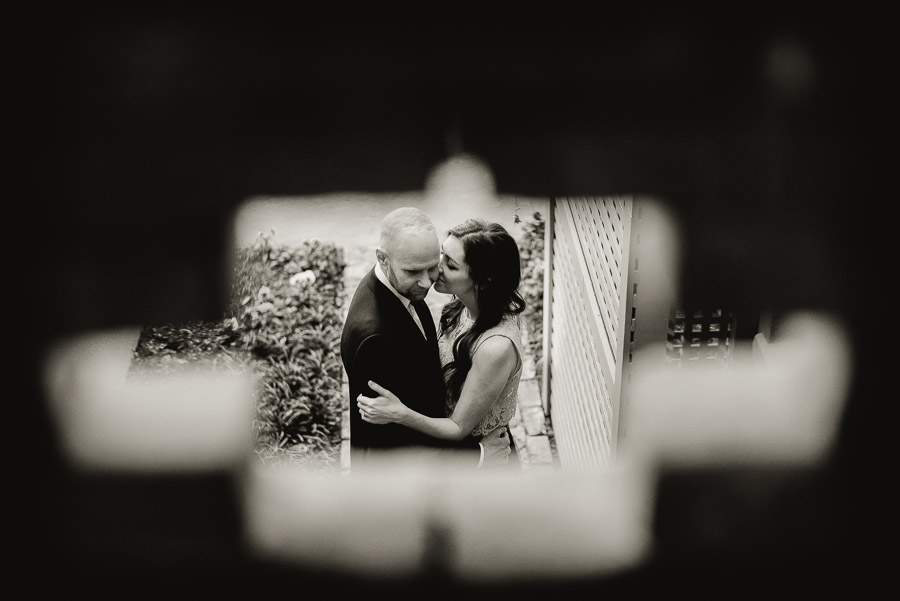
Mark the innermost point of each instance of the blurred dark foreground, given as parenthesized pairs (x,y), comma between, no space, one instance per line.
(149,132)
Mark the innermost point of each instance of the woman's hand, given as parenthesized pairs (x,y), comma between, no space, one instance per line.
(383,409)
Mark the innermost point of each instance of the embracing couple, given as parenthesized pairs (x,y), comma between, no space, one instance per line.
(447,391)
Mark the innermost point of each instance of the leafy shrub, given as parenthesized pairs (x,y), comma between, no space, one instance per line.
(531,249)
(283,326)
(170,348)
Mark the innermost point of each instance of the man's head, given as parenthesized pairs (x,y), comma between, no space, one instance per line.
(409,252)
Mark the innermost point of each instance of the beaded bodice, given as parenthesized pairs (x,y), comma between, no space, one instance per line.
(504,408)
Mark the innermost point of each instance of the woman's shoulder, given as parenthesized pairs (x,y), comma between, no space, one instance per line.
(507,328)
(495,351)
(510,324)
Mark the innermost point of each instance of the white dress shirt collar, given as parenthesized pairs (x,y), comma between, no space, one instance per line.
(383,279)
(407,304)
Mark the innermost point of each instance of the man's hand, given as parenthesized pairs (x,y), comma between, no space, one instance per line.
(496,447)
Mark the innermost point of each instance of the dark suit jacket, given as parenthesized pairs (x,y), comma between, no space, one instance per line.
(381,342)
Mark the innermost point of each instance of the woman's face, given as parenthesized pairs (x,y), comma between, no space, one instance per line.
(454,277)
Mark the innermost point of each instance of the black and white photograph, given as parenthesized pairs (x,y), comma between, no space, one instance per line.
(452,309)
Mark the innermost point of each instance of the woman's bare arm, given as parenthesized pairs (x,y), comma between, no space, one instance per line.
(492,364)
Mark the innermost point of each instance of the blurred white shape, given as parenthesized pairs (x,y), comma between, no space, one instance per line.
(578,523)
(303,278)
(400,516)
(193,421)
(462,178)
(784,406)
(371,523)
(790,69)
(462,187)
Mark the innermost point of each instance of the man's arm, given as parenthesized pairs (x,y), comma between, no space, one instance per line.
(496,359)
(378,361)
(371,357)
(484,385)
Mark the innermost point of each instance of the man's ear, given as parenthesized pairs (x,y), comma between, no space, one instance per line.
(380,256)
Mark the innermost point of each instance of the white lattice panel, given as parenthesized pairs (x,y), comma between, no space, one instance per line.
(601,232)
(587,324)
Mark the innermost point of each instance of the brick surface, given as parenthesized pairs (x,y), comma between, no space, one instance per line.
(529,394)
(533,418)
(539,453)
(519,435)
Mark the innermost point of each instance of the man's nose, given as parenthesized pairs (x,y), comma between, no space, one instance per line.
(426,280)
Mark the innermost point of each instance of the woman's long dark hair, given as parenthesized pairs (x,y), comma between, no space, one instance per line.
(495,269)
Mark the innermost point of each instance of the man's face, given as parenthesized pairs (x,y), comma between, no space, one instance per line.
(411,264)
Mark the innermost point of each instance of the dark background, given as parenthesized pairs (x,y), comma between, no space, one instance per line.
(143,133)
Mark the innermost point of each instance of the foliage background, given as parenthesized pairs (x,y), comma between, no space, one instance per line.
(283,327)
(531,249)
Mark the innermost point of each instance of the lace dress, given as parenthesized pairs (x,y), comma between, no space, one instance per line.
(505,407)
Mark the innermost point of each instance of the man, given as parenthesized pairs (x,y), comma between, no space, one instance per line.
(389,337)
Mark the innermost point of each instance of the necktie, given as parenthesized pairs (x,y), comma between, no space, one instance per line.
(425,321)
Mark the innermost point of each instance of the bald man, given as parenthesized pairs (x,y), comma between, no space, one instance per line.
(387,340)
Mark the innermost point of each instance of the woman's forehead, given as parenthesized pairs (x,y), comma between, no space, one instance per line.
(452,248)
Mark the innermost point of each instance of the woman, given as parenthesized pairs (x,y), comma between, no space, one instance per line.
(479,339)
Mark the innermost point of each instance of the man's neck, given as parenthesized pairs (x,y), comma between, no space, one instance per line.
(379,273)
